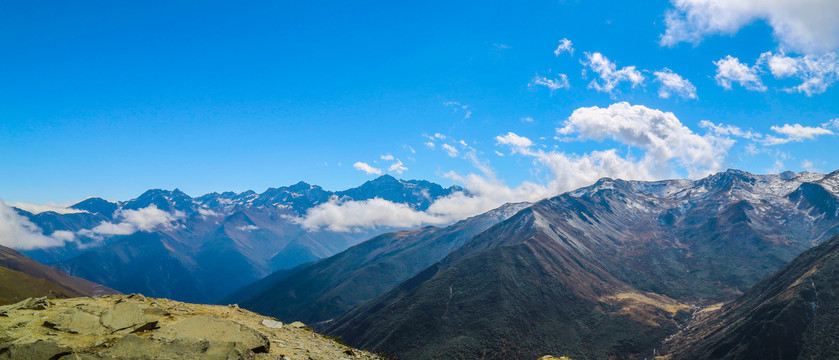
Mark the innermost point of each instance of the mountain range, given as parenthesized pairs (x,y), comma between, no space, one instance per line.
(168,244)
(719,267)
(606,271)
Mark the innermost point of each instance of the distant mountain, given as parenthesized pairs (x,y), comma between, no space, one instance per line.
(22,277)
(330,287)
(603,271)
(789,315)
(167,244)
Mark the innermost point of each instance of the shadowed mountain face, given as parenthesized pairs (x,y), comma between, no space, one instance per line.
(22,277)
(789,315)
(604,271)
(167,244)
(332,286)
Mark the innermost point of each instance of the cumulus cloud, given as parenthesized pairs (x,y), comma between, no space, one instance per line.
(794,133)
(816,73)
(664,138)
(18,232)
(608,74)
(362,166)
(673,84)
(831,124)
(450,150)
(387,157)
(804,26)
(561,82)
(564,46)
(130,221)
(397,167)
(730,69)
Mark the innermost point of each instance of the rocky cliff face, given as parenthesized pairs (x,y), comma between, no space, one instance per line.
(136,327)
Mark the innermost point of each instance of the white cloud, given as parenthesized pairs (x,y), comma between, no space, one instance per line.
(39,208)
(146,219)
(808,165)
(831,124)
(387,157)
(672,83)
(564,46)
(805,26)
(353,215)
(560,82)
(527,119)
(18,232)
(816,73)
(449,150)
(397,167)
(362,166)
(429,144)
(514,140)
(247,228)
(731,69)
(728,130)
(795,133)
(661,134)
(666,149)
(206,212)
(609,76)
(498,153)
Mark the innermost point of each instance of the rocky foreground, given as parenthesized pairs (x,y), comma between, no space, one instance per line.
(136,327)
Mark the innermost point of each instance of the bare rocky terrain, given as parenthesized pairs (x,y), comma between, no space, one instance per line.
(135,327)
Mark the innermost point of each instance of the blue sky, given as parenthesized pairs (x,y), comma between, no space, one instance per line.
(110,99)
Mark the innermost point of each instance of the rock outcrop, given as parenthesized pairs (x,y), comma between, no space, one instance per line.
(122,327)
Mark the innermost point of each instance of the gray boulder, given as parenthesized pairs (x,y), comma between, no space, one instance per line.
(210,327)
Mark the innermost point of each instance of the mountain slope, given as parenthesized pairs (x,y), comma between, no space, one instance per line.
(503,297)
(609,256)
(16,286)
(22,277)
(332,286)
(789,315)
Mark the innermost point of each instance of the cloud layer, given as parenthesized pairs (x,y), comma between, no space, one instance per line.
(130,221)
(17,232)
